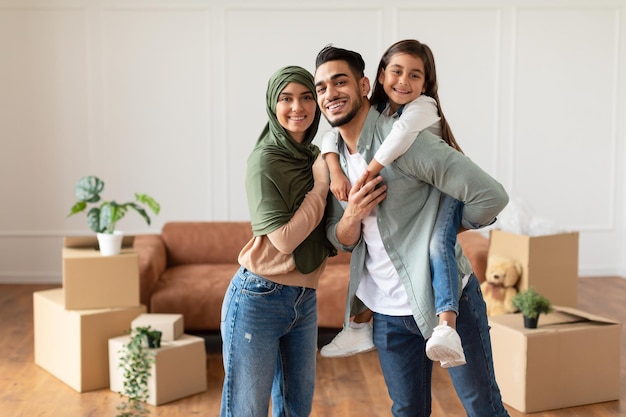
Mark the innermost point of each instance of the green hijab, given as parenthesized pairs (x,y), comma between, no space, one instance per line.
(280,173)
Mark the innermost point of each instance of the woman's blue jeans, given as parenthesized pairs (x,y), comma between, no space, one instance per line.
(443,267)
(269,336)
(408,372)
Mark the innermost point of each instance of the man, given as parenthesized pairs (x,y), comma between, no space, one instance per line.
(387,227)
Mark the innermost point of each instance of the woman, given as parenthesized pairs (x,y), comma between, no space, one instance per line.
(269,314)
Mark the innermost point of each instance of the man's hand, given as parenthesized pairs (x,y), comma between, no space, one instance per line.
(363,198)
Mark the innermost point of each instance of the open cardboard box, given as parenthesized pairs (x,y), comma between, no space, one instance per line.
(91,280)
(179,369)
(572,358)
(549,263)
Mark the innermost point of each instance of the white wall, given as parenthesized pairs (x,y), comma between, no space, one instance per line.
(168,97)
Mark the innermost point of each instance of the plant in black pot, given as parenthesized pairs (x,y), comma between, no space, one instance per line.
(103,217)
(136,360)
(531,304)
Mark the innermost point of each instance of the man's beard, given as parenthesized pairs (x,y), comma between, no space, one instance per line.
(347,118)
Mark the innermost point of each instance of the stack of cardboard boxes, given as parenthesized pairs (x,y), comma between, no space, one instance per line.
(179,369)
(97,305)
(573,357)
(72,325)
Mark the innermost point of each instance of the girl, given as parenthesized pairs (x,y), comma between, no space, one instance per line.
(406,88)
(269,313)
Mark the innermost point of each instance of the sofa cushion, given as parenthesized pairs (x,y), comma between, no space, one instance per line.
(195,291)
(204,242)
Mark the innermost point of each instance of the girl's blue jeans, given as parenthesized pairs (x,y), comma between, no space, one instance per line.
(443,266)
(269,336)
(408,372)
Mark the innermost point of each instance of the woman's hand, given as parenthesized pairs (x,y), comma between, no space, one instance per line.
(320,171)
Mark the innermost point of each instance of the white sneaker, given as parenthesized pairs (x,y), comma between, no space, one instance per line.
(349,341)
(445,346)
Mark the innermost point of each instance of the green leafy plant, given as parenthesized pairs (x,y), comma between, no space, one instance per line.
(531,304)
(103,217)
(136,362)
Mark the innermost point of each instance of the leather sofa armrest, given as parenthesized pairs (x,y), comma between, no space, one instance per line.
(152,263)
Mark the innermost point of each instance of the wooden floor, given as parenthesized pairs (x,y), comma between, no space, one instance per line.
(346,387)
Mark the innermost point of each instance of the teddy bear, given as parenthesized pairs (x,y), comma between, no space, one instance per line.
(499,287)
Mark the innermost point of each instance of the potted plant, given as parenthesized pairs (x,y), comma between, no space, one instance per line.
(153,338)
(136,360)
(103,217)
(531,304)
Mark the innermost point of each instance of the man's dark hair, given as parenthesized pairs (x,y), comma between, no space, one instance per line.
(332,53)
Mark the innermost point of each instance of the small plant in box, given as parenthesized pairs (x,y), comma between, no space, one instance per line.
(531,304)
(136,360)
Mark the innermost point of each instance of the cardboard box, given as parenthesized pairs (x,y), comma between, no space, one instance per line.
(571,359)
(179,369)
(73,344)
(91,280)
(549,263)
(170,325)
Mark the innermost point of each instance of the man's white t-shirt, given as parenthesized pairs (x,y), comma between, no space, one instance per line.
(380,288)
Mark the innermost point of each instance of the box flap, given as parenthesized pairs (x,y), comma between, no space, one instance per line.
(572,315)
(562,318)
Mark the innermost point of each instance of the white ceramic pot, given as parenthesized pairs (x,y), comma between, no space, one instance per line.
(110,244)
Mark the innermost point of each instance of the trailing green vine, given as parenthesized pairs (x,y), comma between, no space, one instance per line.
(136,361)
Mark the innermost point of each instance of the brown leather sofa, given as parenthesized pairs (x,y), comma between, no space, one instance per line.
(187,267)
